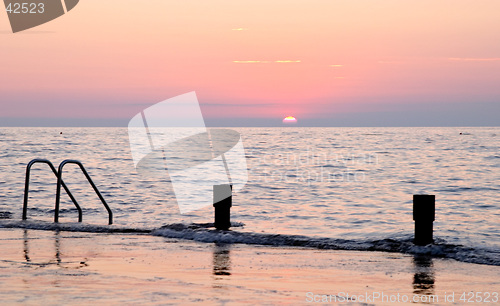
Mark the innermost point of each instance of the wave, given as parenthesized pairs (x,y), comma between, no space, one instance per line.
(206,233)
(404,245)
(5,215)
(462,189)
(71,227)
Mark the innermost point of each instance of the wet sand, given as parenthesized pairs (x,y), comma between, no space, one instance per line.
(55,268)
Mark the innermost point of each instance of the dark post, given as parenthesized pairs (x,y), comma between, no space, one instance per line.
(223,198)
(424,207)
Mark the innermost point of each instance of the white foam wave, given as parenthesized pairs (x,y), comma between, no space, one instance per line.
(207,234)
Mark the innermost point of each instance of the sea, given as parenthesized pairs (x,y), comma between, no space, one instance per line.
(336,188)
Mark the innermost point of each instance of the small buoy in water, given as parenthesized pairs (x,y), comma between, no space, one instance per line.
(460,133)
(61,133)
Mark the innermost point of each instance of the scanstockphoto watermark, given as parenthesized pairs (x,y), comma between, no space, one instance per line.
(381,297)
(312,156)
(313,166)
(170,139)
(27,14)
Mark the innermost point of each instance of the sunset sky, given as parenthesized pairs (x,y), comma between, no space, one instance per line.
(328,63)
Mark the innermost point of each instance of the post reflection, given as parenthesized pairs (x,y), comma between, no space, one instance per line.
(424,277)
(221,260)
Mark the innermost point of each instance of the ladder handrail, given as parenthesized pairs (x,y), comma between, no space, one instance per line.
(60,182)
(27,183)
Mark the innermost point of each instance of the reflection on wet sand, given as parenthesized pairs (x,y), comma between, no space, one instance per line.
(123,268)
(57,255)
(26,247)
(424,278)
(222,260)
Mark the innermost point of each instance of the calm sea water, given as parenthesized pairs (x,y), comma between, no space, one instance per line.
(318,187)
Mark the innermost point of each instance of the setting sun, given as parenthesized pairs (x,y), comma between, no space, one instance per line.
(290,120)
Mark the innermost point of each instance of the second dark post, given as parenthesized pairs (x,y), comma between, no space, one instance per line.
(424,208)
(223,200)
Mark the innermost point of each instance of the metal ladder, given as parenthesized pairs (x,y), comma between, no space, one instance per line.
(60,182)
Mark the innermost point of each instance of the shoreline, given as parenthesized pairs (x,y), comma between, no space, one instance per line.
(206,233)
(74,267)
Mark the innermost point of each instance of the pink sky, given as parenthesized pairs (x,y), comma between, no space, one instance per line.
(253,59)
